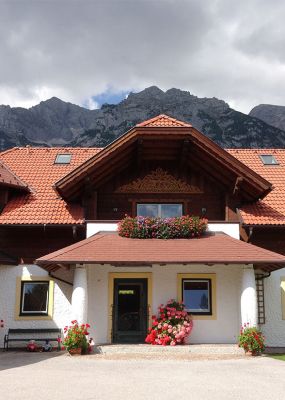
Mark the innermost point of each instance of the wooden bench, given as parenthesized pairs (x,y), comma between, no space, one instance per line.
(21,335)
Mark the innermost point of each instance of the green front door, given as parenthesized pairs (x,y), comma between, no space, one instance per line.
(129,310)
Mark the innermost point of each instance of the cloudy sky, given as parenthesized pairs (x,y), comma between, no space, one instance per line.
(88,52)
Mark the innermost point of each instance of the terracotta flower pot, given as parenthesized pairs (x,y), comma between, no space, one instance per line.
(251,353)
(75,352)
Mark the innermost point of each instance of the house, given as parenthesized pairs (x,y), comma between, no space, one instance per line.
(62,258)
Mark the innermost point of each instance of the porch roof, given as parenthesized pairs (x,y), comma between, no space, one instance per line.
(213,248)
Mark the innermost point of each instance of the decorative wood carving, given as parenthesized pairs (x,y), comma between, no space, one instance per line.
(158,181)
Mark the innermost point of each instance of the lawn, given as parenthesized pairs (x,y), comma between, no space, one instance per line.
(278,356)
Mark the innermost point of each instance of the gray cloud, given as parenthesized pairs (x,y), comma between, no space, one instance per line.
(77,49)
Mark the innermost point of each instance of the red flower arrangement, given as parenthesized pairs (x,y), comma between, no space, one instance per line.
(172,326)
(184,227)
(251,340)
(75,336)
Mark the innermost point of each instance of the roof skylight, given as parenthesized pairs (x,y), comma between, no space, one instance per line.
(62,159)
(268,159)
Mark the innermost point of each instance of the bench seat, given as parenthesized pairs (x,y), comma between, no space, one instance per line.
(21,335)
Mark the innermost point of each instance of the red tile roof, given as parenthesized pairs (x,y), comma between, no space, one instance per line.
(36,167)
(9,179)
(212,248)
(270,210)
(163,120)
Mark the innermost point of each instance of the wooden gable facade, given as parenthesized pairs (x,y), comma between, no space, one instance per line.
(159,161)
(162,163)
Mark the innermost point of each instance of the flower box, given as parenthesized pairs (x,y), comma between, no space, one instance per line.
(184,227)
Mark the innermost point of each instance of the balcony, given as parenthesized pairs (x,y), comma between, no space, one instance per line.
(229,228)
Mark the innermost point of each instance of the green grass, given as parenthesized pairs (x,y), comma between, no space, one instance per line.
(280,357)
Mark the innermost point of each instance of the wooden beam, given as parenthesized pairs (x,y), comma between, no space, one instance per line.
(226,207)
(237,185)
(140,154)
(111,166)
(233,166)
(208,171)
(184,157)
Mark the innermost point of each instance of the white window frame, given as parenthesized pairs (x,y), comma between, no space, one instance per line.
(160,207)
(44,312)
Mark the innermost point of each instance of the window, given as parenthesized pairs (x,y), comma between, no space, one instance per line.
(197,296)
(34,298)
(159,210)
(62,159)
(198,293)
(268,159)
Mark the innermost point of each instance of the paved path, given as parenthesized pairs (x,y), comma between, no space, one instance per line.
(40,376)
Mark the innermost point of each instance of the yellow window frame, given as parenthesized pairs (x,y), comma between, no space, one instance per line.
(27,278)
(212,277)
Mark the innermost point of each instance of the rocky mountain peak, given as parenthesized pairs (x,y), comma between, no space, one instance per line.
(56,122)
(271,114)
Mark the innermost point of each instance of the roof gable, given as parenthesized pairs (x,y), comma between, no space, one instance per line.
(218,160)
(9,179)
(164,121)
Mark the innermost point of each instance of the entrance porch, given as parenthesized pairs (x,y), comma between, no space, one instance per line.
(119,283)
(121,301)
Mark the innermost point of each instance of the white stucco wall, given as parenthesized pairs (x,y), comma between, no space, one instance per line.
(224,329)
(8,279)
(231,229)
(274,327)
(94,227)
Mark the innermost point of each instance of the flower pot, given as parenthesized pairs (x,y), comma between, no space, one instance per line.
(251,353)
(75,352)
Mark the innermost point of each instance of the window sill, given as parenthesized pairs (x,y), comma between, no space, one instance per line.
(33,318)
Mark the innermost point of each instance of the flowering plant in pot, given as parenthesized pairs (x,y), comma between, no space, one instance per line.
(75,338)
(172,326)
(251,340)
(184,227)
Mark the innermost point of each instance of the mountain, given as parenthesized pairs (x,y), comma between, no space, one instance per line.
(272,115)
(55,122)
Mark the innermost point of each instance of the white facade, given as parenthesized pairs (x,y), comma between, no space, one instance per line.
(8,299)
(230,284)
(274,327)
(224,329)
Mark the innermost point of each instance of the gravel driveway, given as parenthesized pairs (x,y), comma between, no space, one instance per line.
(59,377)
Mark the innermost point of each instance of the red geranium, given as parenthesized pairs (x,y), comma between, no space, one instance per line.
(172,326)
(75,336)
